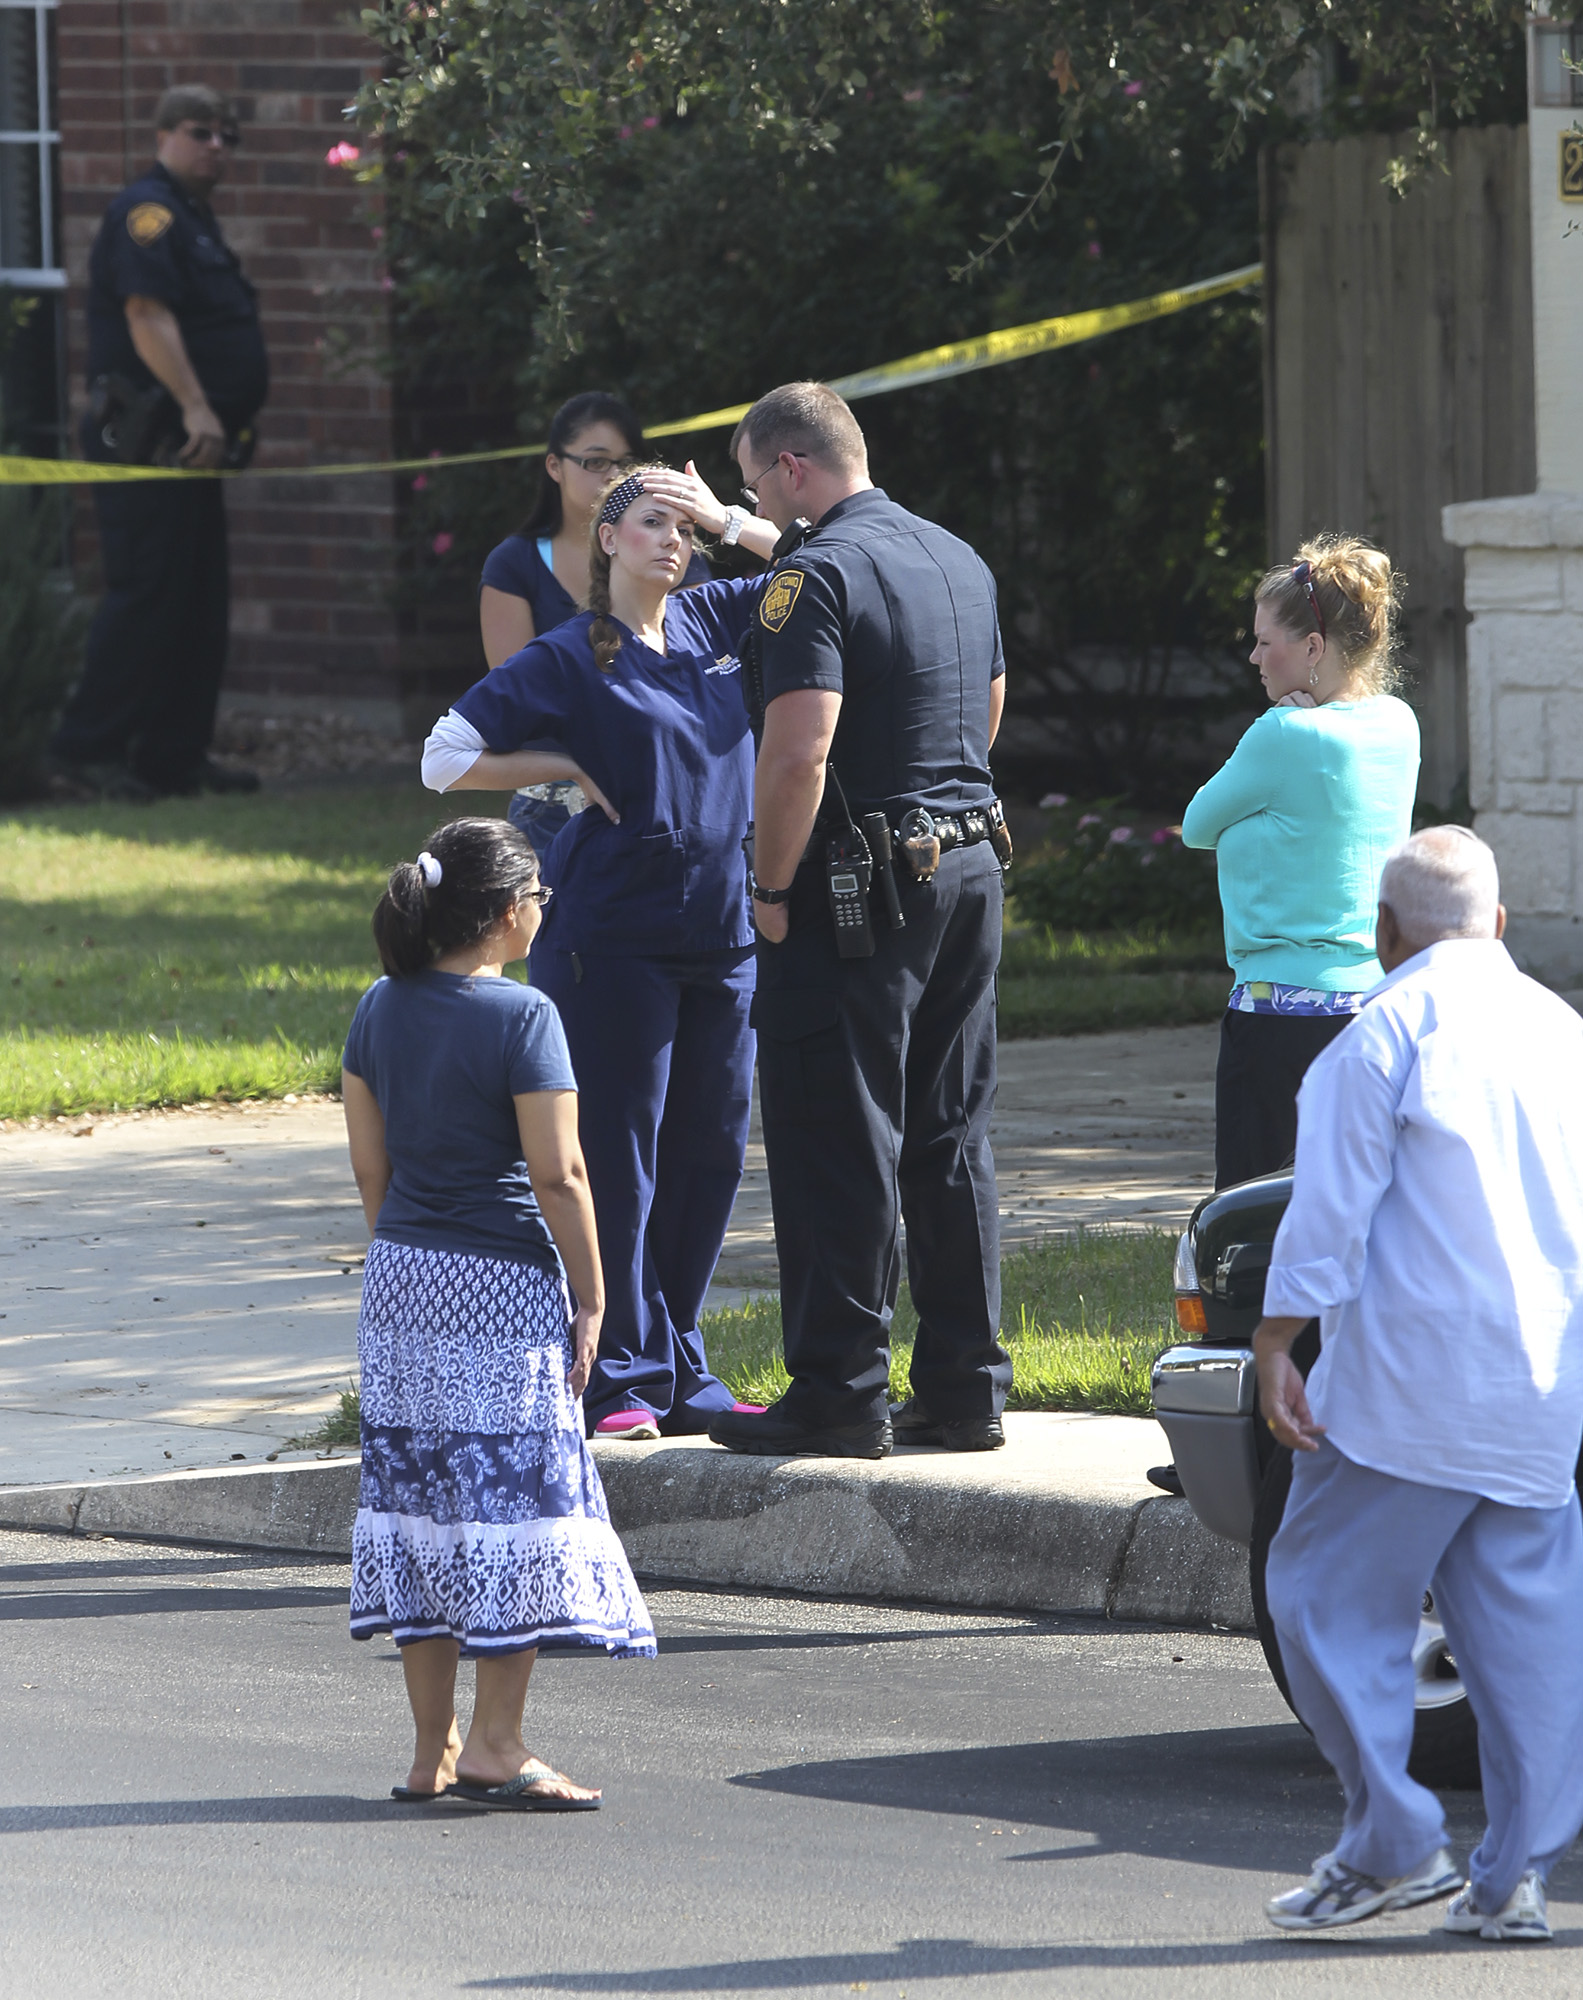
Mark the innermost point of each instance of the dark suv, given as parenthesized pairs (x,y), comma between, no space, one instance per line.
(1232,1470)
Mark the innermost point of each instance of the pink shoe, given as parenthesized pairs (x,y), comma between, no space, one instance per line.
(748,1409)
(636,1426)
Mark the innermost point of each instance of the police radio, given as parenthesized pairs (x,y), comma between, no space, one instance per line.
(848,871)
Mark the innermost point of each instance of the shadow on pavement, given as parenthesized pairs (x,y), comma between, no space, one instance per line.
(47,1606)
(961,1958)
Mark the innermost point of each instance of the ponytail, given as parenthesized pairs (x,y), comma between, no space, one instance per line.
(468,876)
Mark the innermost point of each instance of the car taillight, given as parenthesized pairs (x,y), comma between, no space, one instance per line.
(1190,1313)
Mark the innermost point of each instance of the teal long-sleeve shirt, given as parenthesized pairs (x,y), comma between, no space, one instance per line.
(1301,817)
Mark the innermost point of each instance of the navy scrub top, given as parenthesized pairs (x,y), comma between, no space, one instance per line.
(522,568)
(666,738)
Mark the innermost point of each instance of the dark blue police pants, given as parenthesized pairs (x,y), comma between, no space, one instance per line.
(877,1080)
(156,649)
(663,1057)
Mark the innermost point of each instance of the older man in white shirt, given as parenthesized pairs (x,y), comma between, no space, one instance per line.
(1436,1231)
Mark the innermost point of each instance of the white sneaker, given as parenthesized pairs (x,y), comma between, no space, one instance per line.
(1335,1894)
(1523,1918)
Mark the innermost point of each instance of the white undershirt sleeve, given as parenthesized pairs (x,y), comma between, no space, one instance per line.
(453,748)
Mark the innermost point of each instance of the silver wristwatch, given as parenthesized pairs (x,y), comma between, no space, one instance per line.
(737,519)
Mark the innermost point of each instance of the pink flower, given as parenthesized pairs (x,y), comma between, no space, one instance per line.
(1119,835)
(443,543)
(377,233)
(420,484)
(1052,799)
(912,97)
(1089,819)
(342,155)
(1160,836)
(387,283)
(649,124)
(625,132)
(402,154)
(1133,90)
(1094,250)
(1145,860)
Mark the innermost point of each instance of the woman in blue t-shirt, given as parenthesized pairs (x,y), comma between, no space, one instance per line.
(537,578)
(481,1531)
(648,953)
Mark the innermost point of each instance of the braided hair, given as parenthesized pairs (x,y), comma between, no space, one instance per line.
(613,502)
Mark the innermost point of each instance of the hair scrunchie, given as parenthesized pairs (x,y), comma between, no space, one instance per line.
(430,870)
(620,498)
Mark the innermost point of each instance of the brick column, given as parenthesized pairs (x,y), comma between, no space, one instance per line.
(312,560)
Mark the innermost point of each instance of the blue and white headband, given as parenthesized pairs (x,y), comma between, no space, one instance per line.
(620,498)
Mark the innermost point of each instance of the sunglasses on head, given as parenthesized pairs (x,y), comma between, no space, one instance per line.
(1303,575)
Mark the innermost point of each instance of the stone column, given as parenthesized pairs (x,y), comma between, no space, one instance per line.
(1524,567)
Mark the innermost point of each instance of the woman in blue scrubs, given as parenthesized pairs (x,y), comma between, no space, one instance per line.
(537,577)
(647,951)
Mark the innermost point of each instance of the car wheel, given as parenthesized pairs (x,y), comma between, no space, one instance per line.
(1445,1753)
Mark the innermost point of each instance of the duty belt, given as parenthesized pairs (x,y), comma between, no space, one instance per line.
(919,837)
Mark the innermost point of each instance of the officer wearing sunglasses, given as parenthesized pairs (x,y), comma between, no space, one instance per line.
(176,374)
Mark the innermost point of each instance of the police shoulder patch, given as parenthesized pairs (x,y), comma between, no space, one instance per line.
(775,607)
(148,222)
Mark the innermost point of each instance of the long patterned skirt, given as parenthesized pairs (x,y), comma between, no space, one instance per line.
(480,1517)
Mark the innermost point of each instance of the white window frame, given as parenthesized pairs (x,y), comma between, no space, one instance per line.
(47,277)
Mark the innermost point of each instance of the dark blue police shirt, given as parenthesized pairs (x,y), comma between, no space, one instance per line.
(521,567)
(157,242)
(897,617)
(665,737)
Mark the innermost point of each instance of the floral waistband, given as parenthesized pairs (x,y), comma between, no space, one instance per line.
(1265,996)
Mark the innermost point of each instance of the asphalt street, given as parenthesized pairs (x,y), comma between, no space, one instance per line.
(801,1798)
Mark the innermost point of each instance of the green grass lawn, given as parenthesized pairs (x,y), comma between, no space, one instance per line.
(197,948)
(215,948)
(1083,1314)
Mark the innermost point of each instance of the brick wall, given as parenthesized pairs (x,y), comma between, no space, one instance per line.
(312,560)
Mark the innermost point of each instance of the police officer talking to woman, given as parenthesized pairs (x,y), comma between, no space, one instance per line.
(874,659)
(176,374)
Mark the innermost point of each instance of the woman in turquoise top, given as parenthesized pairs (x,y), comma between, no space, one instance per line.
(1301,818)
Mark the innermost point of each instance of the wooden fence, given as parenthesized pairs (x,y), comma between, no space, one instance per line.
(1399,375)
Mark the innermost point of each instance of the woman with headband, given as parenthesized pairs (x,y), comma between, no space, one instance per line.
(537,577)
(1301,818)
(648,952)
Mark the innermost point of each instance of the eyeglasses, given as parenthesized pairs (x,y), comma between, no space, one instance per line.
(540,895)
(1303,574)
(750,492)
(598,462)
(209,135)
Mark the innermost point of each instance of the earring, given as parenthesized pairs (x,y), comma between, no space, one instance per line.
(1313,677)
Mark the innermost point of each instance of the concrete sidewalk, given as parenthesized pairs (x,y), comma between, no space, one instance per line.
(1061,1520)
(180,1289)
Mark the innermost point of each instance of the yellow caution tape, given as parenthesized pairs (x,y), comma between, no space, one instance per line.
(935,364)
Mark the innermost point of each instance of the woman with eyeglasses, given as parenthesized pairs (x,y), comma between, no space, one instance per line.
(482,1531)
(537,577)
(1301,818)
(647,950)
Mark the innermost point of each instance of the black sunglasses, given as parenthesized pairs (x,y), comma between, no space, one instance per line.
(205,135)
(1303,573)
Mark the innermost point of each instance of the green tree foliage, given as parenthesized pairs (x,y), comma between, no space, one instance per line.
(522,99)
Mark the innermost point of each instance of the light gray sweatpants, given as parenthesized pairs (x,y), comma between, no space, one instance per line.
(1347,1573)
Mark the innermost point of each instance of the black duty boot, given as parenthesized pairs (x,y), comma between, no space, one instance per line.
(773,1433)
(913,1424)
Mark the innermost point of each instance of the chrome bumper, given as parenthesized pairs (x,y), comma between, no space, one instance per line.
(1203,1397)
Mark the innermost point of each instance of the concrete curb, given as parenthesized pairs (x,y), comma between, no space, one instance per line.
(926,1527)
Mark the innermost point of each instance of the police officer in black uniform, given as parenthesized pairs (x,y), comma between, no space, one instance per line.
(176,374)
(877,856)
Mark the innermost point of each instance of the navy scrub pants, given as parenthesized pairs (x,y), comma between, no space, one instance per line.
(876,1081)
(663,1057)
(156,650)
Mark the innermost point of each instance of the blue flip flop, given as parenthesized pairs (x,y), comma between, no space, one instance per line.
(522,1793)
